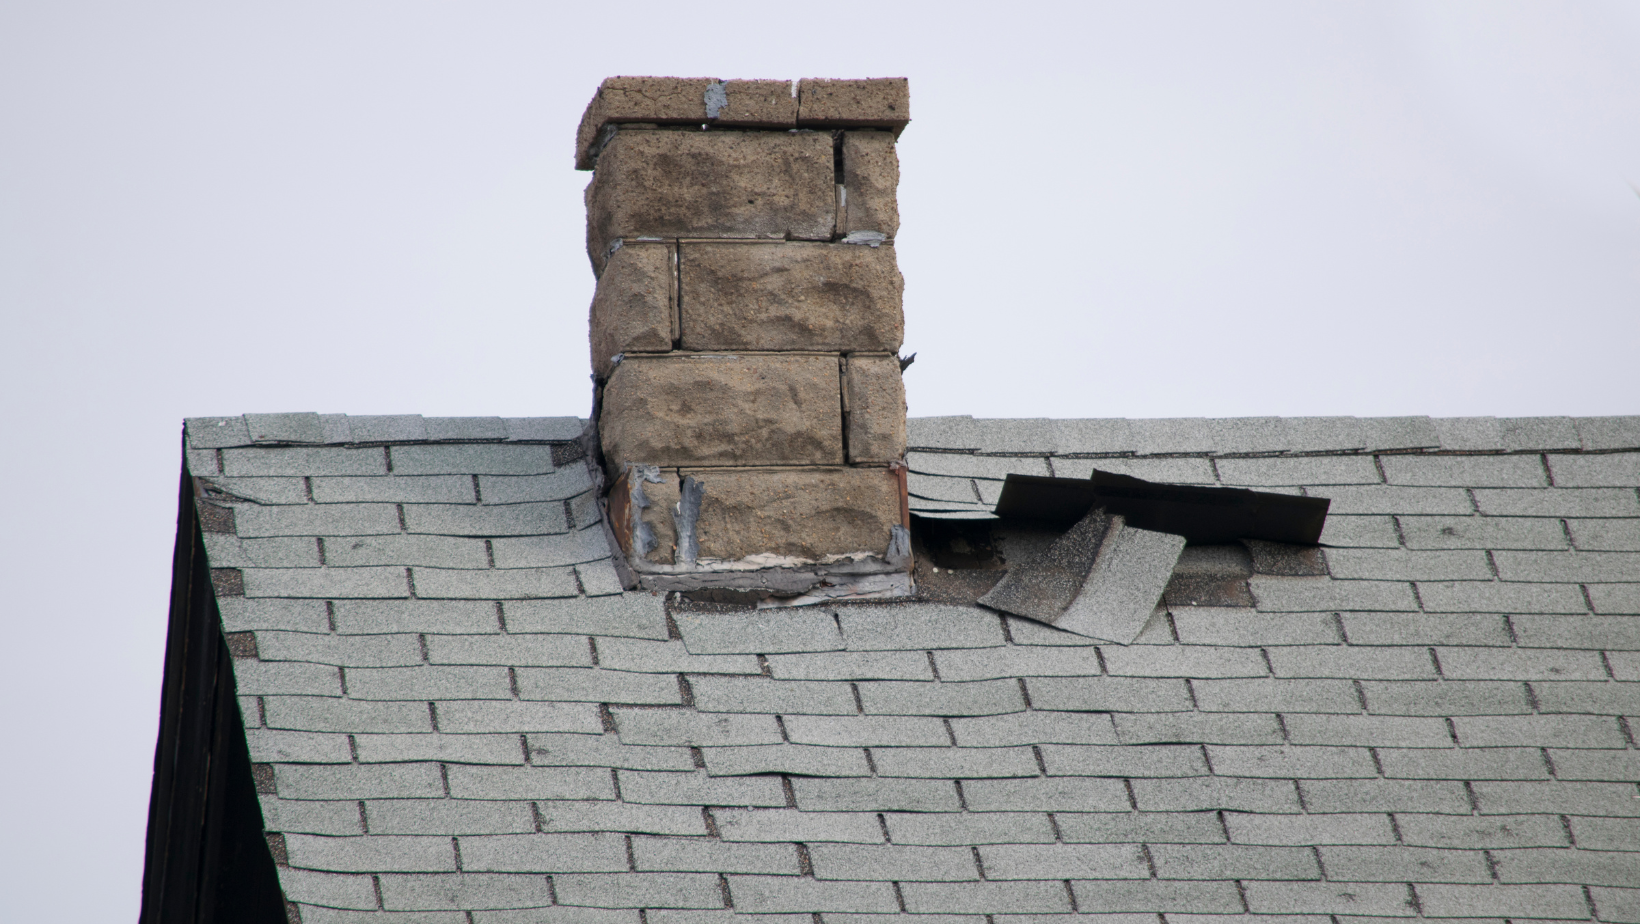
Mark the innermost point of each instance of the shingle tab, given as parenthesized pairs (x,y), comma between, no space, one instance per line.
(877,795)
(1558,502)
(918,626)
(681,727)
(764,695)
(1103,896)
(795,759)
(544,853)
(1600,433)
(761,632)
(754,894)
(989,897)
(304,460)
(674,854)
(784,825)
(1341,898)
(969,828)
(446,817)
(1466,471)
(595,685)
(866,730)
(1304,830)
(496,584)
(979,697)
(1477,532)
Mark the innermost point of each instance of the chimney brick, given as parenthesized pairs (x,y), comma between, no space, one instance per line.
(751,413)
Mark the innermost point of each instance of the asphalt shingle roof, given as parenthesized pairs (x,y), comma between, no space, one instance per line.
(454,708)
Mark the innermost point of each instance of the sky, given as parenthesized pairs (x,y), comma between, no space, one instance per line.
(1159,209)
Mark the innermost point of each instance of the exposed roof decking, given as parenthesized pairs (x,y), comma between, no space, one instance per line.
(455,701)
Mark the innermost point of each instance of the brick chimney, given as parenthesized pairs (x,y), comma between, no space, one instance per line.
(746,329)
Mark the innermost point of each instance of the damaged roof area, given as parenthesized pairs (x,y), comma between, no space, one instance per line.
(452,711)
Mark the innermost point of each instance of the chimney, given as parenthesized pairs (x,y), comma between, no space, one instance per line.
(745,332)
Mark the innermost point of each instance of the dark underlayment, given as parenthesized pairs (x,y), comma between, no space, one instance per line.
(454,713)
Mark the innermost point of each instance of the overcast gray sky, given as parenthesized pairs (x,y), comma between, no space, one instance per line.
(1109,210)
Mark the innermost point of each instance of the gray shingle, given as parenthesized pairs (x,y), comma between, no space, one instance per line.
(1368,730)
(866,730)
(445,817)
(1419,629)
(438,891)
(514,650)
(1378,663)
(1034,728)
(979,697)
(1063,861)
(851,665)
(709,855)
(1208,625)
(1193,794)
(739,824)
(1364,532)
(1139,827)
(957,432)
(472,460)
(548,750)
(1470,433)
(1539,433)
(681,727)
(1477,532)
(1092,435)
(1565,731)
(1466,471)
(1054,794)
(1613,598)
(465,428)
(918,626)
(1385,796)
(877,795)
(941,489)
(1318,470)
(477,520)
(1500,597)
(1197,727)
(761,694)
(1031,632)
(972,466)
(1099,896)
(1520,664)
(1097,694)
(425,682)
(599,579)
(270,746)
(1123,760)
(518,489)
(1585,567)
(226,551)
(1472,832)
(556,429)
(373,854)
(1395,499)
(1308,594)
(1304,830)
(668,657)
(1399,433)
(1514,901)
(301,427)
(1468,763)
(1182,661)
(317,520)
(304,461)
(754,894)
(896,862)
(469,782)
(216,432)
(201,462)
(1606,535)
(761,632)
(289,677)
(1607,833)
(1168,436)
(1597,698)
(795,759)
(924,897)
(1292,762)
(958,829)
(1233,861)
(1620,469)
(1403,565)
(323,713)
(1264,694)
(952,762)
(594,685)
(388,428)
(366,617)
(353,781)
(461,749)
(586,545)
(1169,471)
(394,489)
(435,551)
(1600,433)
(1582,867)
(1615,766)
(1558,502)
(507,716)
(1503,798)
(310,817)
(698,788)
(322,583)
(544,853)
(508,584)
(330,889)
(283,490)
(630,615)
(621,816)
(1342,898)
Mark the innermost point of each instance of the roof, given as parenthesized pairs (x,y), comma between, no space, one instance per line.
(453,708)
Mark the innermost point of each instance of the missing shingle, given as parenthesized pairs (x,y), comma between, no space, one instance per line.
(241,644)
(262,774)
(228,582)
(216,518)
